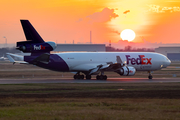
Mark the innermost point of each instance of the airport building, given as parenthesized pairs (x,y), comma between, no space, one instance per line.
(173,53)
(80,47)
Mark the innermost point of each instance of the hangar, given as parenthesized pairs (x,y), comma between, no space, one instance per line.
(173,53)
(80,47)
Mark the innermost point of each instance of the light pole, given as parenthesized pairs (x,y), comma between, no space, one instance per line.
(5,41)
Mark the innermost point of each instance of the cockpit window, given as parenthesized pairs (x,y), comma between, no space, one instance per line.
(167,58)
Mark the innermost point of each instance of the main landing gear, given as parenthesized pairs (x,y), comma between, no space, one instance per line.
(150,76)
(78,76)
(88,77)
(101,77)
(81,77)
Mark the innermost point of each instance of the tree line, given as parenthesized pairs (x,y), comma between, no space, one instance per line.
(129,49)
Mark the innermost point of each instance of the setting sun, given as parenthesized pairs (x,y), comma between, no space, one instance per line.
(155,22)
(128,34)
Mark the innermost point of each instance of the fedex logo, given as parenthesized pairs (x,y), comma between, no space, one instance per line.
(141,60)
(40,47)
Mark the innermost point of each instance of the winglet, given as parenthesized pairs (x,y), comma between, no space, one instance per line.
(119,61)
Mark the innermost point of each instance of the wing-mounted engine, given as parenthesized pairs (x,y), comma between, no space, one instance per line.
(30,46)
(126,71)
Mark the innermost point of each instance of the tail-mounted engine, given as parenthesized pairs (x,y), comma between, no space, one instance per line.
(127,71)
(30,46)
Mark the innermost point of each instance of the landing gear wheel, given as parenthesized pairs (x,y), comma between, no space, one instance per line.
(82,77)
(104,77)
(101,77)
(97,77)
(150,76)
(88,77)
(75,77)
(78,77)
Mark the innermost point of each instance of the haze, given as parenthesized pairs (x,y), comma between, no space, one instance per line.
(153,22)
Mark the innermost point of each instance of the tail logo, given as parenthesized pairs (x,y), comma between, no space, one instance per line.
(40,47)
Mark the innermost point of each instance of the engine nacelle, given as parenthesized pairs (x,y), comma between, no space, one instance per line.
(127,71)
(29,46)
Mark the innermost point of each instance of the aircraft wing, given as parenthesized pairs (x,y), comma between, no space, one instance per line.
(109,66)
(9,55)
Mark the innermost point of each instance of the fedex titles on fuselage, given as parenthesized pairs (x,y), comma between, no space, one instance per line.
(141,60)
(40,47)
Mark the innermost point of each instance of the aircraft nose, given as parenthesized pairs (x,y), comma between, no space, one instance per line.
(167,62)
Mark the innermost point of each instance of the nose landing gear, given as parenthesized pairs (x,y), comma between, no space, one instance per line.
(150,75)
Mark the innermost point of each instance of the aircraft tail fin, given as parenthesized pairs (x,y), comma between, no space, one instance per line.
(34,44)
(30,32)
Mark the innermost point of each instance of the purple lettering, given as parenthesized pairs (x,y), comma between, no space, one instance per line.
(133,61)
(127,58)
(140,60)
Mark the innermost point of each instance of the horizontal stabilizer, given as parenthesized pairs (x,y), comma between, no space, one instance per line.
(21,58)
(11,59)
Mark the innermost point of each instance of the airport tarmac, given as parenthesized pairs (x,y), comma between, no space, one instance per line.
(110,80)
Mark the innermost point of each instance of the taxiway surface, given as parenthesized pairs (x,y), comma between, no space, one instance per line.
(110,80)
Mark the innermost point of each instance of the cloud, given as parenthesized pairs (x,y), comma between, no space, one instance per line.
(125,12)
(80,19)
(116,32)
(98,24)
(163,9)
(105,15)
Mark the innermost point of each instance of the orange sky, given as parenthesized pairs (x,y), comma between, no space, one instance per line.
(58,21)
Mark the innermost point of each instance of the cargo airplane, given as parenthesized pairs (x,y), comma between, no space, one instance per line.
(84,63)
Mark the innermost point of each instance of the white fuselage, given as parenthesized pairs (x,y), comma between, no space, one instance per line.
(141,61)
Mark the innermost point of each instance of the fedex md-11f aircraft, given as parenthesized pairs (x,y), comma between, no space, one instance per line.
(85,63)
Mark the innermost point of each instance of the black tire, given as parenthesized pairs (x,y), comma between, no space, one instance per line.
(104,77)
(150,77)
(101,77)
(88,77)
(82,77)
(75,77)
(97,77)
(78,76)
